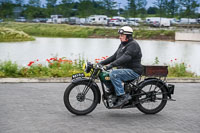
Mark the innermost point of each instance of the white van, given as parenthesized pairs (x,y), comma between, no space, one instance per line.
(165,22)
(162,21)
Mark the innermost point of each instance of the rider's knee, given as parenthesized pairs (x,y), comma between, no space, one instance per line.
(113,75)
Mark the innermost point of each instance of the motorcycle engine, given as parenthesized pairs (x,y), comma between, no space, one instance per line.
(127,88)
(111,100)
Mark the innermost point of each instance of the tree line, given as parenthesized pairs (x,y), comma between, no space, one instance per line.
(85,8)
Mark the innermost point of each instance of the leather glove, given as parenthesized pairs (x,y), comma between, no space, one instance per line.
(100,63)
(108,67)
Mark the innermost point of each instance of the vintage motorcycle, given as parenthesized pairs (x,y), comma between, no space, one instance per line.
(149,93)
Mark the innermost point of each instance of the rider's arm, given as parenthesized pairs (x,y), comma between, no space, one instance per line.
(109,59)
(129,54)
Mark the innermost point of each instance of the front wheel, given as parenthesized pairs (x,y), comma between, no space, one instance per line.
(152,97)
(78,102)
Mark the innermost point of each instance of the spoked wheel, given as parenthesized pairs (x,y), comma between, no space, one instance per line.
(152,98)
(80,99)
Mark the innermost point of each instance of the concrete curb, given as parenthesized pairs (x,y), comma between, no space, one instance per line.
(35,80)
(68,80)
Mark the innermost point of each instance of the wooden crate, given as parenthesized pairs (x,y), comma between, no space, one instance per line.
(155,71)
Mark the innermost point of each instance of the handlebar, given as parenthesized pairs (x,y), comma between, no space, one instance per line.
(99,66)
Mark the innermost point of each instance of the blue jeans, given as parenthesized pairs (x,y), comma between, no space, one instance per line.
(117,76)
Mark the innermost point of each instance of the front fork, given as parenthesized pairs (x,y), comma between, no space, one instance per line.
(87,87)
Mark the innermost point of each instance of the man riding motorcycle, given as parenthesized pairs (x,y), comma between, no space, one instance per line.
(127,59)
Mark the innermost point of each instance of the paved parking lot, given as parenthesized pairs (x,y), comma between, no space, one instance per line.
(39,108)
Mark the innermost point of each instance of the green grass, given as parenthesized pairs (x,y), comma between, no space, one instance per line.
(10,35)
(154,34)
(64,30)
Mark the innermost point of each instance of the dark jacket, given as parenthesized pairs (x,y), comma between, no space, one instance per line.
(128,55)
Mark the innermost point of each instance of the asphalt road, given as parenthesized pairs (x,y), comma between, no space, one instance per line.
(39,108)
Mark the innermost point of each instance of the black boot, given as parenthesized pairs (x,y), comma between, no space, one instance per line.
(122,101)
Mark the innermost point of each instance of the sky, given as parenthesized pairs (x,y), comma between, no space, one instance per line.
(122,3)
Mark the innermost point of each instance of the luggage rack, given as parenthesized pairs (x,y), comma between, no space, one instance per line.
(152,71)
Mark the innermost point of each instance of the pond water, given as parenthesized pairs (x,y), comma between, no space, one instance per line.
(72,48)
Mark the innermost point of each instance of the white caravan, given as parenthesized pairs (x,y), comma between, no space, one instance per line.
(98,20)
(188,21)
(57,19)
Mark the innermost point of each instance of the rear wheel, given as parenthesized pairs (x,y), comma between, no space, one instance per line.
(79,103)
(152,97)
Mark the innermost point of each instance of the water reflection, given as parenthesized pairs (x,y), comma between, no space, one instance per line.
(43,48)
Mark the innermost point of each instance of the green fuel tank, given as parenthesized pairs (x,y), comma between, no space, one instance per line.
(104,76)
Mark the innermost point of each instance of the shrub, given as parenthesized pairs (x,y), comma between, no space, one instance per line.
(9,69)
(179,70)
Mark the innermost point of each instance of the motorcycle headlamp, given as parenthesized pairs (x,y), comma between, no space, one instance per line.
(88,67)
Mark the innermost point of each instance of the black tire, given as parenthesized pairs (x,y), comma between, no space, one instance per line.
(68,103)
(153,97)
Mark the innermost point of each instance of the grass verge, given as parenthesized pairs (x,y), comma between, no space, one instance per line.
(75,31)
(12,35)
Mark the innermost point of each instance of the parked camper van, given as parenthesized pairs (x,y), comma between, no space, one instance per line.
(83,21)
(188,21)
(138,20)
(20,19)
(56,19)
(74,20)
(98,20)
(150,20)
(157,21)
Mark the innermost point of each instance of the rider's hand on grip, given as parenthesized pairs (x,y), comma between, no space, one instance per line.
(108,67)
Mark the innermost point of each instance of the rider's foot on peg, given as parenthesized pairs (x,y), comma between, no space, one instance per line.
(122,100)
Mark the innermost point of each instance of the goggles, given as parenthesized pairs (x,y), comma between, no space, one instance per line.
(121,31)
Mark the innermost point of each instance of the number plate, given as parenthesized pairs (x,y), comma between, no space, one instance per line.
(78,75)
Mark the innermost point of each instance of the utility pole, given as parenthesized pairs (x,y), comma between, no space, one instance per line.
(119,8)
(161,7)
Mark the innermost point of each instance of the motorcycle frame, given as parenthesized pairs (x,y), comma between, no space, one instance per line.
(95,74)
